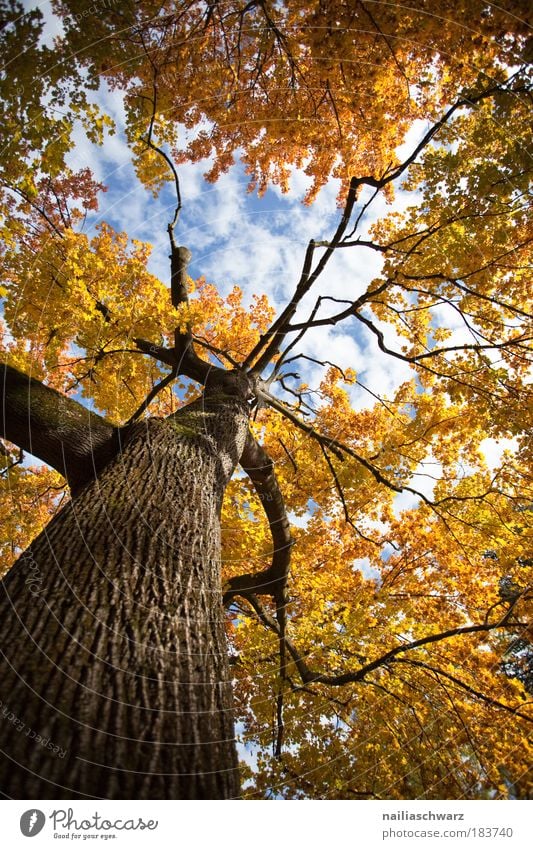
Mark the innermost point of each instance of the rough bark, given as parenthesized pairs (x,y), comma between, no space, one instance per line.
(111,626)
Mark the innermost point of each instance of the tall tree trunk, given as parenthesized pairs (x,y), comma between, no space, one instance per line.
(115,681)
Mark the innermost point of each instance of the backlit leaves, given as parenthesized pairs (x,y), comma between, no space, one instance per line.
(331,87)
(412,531)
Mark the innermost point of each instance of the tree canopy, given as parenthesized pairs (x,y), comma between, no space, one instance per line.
(378,613)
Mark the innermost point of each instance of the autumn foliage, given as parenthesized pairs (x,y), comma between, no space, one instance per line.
(400,666)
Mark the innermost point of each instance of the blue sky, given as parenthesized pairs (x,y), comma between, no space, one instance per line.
(257,243)
(237,238)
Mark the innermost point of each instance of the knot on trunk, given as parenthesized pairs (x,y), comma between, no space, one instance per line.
(233,384)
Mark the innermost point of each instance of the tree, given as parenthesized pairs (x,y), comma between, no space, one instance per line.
(378,631)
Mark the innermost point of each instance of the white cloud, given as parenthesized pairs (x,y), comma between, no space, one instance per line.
(235,238)
(52,25)
(413,136)
(247,750)
(404,501)
(493,449)
(298,521)
(368,571)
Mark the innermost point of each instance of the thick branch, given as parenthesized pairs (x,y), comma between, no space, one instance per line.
(58,430)
(179,260)
(188,363)
(259,467)
(272,581)
(158,352)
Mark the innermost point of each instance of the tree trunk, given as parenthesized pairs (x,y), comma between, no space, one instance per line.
(115,680)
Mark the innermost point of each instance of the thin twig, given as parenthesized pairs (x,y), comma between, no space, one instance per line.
(151,395)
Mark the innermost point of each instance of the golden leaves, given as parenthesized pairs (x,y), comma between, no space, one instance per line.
(29,497)
(332,88)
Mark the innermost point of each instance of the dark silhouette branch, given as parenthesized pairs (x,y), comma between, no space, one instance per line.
(340,492)
(336,447)
(351,310)
(471,690)
(159,150)
(468,99)
(180,256)
(347,677)
(270,342)
(273,580)
(270,622)
(154,392)
(435,352)
(158,352)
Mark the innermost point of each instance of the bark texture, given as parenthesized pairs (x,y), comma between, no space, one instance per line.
(111,626)
(58,430)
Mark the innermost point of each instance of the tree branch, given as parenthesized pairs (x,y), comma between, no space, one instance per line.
(272,581)
(309,676)
(271,623)
(471,690)
(187,363)
(56,429)
(336,447)
(179,260)
(269,343)
(358,675)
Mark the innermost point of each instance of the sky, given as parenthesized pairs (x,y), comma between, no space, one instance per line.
(258,244)
(237,238)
